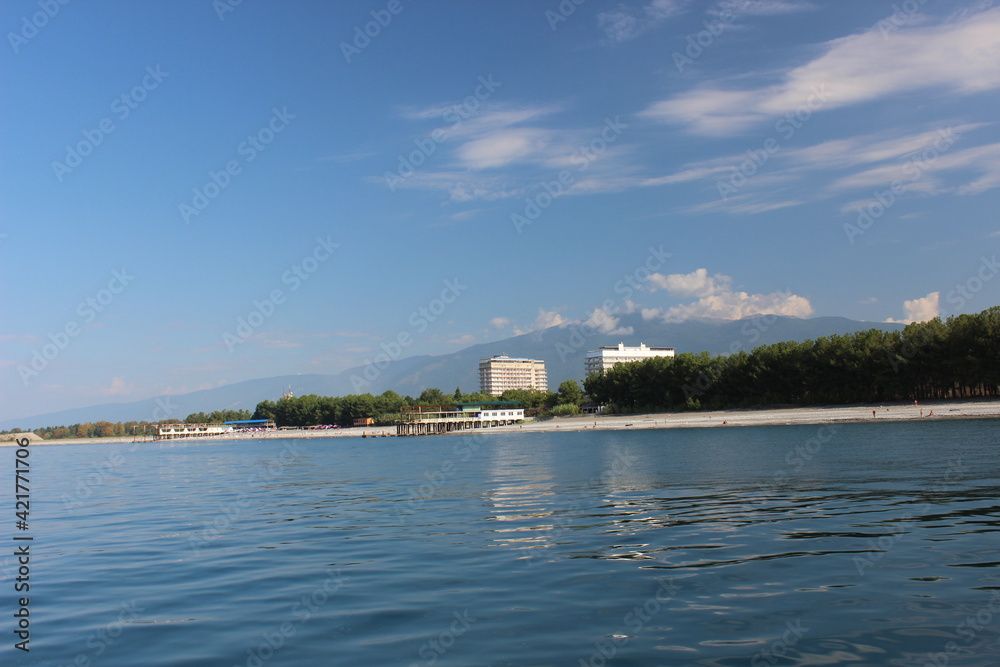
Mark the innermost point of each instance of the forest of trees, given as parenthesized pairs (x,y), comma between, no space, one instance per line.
(954,359)
(310,410)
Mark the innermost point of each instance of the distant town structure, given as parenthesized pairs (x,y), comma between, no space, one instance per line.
(606,357)
(433,419)
(500,373)
(176,431)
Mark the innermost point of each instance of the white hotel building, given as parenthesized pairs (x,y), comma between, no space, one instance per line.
(501,373)
(606,357)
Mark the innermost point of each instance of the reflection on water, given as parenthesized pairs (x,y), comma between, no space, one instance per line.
(710,547)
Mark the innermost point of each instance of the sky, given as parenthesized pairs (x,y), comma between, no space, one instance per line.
(195,193)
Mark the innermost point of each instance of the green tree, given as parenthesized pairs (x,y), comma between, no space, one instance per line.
(432,396)
(570,392)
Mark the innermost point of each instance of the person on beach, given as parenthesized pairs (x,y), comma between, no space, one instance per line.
(873,414)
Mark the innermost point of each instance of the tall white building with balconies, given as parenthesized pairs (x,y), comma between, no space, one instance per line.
(502,372)
(606,357)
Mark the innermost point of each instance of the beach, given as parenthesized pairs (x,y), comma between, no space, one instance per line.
(661,420)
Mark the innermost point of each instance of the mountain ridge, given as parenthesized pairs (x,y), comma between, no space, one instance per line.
(562,347)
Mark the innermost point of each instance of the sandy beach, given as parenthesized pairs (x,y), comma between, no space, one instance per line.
(724,418)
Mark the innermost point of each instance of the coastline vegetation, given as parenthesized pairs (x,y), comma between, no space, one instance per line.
(314,410)
(958,358)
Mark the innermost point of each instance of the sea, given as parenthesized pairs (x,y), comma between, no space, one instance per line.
(853,544)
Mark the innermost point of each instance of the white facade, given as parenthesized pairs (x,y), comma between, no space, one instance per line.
(172,431)
(500,373)
(606,357)
(508,414)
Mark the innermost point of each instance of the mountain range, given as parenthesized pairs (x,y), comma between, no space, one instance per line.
(561,347)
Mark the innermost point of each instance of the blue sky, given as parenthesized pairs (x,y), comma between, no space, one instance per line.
(198,193)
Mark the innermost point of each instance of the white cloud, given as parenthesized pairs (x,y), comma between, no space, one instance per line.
(960,57)
(118,387)
(925,160)
(503,147)
(697,283)
(764,7)
(738,305)
(548,318)
(625,23)
(716,299)
(920,310)
(500,322)
(604,322)
(464,339)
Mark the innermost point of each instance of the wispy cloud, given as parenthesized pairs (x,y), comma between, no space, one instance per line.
(960,57)
(921,160)
(624,23)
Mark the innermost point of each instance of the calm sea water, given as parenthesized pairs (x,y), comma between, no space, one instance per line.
(870,544)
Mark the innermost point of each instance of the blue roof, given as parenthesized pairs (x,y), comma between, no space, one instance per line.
(248,421)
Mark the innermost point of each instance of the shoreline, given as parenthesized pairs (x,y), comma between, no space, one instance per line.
(936,410)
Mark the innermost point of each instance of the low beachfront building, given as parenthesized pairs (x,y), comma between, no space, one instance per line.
(432,419)
(606,357)
(501,373)
(175,431)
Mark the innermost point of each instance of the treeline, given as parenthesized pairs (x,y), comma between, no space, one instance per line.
(98,429)
(954,359)
(106,429)
(312,410)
